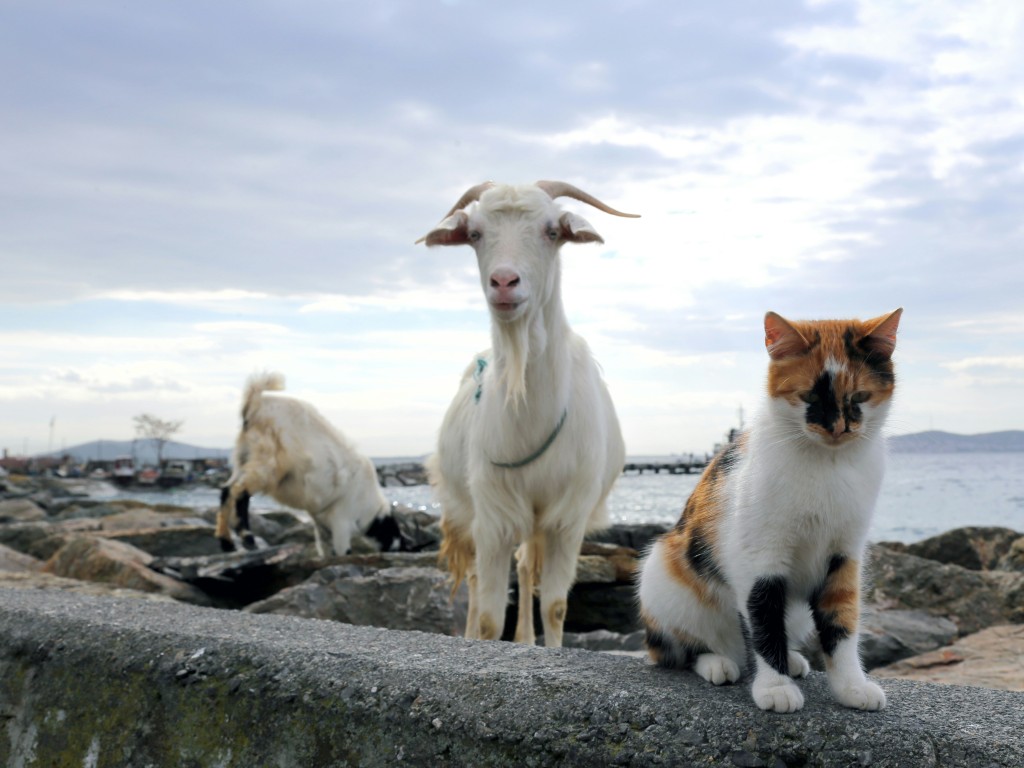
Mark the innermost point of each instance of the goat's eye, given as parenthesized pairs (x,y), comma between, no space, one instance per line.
(552,234)
(474,235)
(860,397)
(809,397)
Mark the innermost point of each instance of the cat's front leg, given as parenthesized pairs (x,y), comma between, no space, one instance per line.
(847,680)
(773,688)
(836,610)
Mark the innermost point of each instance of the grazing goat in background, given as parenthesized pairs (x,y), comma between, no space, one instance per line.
(287,450)
(531,445)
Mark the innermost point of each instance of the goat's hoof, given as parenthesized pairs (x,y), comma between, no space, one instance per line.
(249,541)
(227,545)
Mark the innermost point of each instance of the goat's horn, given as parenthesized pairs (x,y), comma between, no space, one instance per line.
(562,189)
(470,195)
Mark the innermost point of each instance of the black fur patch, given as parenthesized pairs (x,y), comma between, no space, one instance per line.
(824,410)
(242,510)
(386,531)
(865,350)
(225,491)
(702,559)
(767,609)
(670,653)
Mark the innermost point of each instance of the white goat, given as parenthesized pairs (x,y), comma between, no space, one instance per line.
(287,450)
(531,445)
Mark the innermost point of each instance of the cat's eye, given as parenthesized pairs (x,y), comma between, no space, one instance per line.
(860,397)
(809,397)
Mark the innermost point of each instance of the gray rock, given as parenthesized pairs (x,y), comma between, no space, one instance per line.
(393,598)
(990,659)
(973,600)
(888,636)
(39,540)
(171,541)
(11,560)
(636,536)
(977,549)
(94,558)
(21,511)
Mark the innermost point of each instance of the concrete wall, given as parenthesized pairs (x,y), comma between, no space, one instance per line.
(118,682)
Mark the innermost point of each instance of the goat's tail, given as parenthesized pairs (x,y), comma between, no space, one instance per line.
(457,552)
(256,385)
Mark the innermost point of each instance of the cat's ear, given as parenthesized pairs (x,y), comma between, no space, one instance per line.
(782,339)
(881,335)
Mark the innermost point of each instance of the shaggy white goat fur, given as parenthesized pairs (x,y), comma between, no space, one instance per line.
(509,405)
(287,450)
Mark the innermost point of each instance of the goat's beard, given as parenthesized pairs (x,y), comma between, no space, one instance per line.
(513,344)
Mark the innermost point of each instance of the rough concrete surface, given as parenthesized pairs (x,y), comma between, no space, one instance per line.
(96,682)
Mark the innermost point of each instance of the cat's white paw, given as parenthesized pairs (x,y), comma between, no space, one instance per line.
(798,665)
(861,695)
(779,694)
(716,669)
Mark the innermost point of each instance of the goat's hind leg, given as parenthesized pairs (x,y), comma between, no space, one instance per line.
(558,557)
(527,564)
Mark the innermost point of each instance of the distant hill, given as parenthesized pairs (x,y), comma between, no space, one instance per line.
(935,441)
(143,451)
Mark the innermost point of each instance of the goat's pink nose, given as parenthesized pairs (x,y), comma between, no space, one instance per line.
(503,279)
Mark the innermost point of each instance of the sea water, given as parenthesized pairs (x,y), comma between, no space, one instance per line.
(922,495)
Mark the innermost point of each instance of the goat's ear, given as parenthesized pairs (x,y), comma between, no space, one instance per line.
(452,231)
(576,229)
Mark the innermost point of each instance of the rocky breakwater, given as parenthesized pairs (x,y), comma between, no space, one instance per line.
(948,609)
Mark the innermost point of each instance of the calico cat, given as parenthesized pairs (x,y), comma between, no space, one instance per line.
(770,544)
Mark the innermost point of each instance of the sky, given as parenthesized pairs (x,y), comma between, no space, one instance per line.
(193,192)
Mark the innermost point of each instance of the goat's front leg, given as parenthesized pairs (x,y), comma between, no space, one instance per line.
(234,511)
(558,571)
(493,556)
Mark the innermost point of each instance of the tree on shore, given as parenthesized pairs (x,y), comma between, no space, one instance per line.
(149,427)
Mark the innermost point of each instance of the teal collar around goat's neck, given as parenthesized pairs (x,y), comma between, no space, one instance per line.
(539,452)
(478,377)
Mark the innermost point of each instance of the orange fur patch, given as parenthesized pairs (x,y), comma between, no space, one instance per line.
(457,551)
(840,599)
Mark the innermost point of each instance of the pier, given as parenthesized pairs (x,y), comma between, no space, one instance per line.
(680,466)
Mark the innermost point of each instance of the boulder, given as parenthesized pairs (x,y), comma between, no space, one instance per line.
(973,600)
(421,531)
(977,549)
(39,540)
(171,541)
(92,558)
(991,658)
(21,511)
(636,536)
(11,560)
(888,636)
(394,598)
(1013,560)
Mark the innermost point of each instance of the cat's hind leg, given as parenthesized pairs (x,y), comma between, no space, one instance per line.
(689,623)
